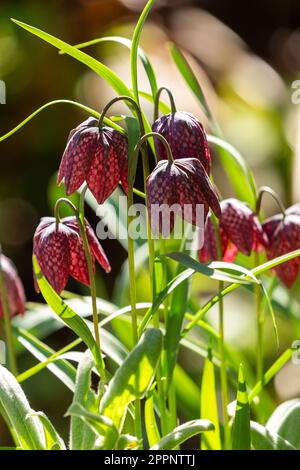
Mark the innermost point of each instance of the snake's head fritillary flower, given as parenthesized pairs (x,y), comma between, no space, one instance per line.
(60,252)
(96,155)
(185,135)
(13,288)
(284,236)
(241,226)
(183,184)
(209,250)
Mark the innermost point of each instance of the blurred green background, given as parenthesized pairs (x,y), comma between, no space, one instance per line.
(246,56)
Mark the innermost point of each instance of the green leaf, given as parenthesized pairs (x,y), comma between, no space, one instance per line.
(87,109)
(209,405)
(183,433)
(53,439)
(213,269)
(271,372)
(135,46)
(150,422)
(111,77)
(285,422)
(241,424)
(101,425)
(133,378)
(191,80)
(61,368)
(81,435)
(237,170)
(127,43)
(173,327)
(66,314)
(264,439)
(28,429)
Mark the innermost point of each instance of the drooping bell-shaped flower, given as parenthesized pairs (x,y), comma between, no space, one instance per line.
(241,226)
(60,252)
(209,251)
(283,234)
(96,155)
(13,286)
(185,135)
(179,187)
(239,230)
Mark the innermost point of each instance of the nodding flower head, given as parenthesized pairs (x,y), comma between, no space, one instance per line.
(185,136)
(209,251)
(96,155)
(13,286)
(283,234)
(239,230)
(59,251)
(241,226)
(183,184)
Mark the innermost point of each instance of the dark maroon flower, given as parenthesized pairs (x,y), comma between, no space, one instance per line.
(183,183)
(209,250)
(241,225)
(97,156)
(284,236)
(185,136)
(239,230)
(60,253)
(13,287)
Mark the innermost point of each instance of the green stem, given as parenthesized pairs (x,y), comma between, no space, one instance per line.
(7,323)
(81,223)
(223,372)
(135,46)
(268,190)
(157,98)
(223,368)
(259,326)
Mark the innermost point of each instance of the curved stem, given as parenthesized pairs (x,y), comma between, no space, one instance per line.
(273,194)
(158,136)
(157,98)
(133,104)
(81,223)
(7,322)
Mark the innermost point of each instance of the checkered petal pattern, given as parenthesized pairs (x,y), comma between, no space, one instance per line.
(185,135)
(14,290)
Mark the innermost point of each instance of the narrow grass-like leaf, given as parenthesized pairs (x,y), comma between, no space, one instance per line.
(209,405)
(191,80)
(150,422)
(265,439)
(133,378)
(53,439)
(28,429)
(127,43)
(67,315)
(284,421)
(237,170)
(174,321)
(135,47)
(102,70)
(271,372)
(241,424)
(62,369)
(87,109)
(101,425)
(81,435)
(163,107)
(183,433)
